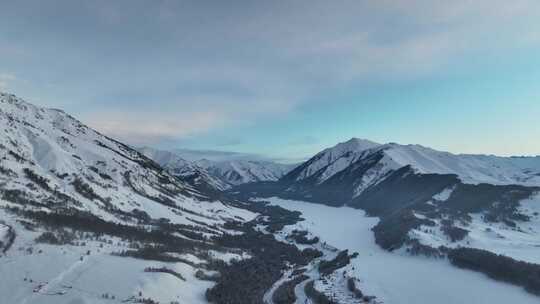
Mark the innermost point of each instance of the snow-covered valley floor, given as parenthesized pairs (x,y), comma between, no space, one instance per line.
(37,273)
(398,278)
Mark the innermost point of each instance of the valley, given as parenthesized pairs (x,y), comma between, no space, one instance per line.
(269,152)
(86,219)
(397,277)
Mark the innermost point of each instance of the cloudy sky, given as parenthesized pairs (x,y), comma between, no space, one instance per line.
(283,78)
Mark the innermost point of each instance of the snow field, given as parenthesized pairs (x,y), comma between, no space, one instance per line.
(398,278)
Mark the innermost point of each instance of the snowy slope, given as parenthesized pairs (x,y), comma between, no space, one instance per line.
(520,242)
(51,158)
(37,273)
(471,169)
(94,198)
(530,165)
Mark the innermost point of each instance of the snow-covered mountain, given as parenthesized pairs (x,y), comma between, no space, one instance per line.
(472,169)
(222,172)
(75,203)
(350,171)
(188,171)
(48,155)
(330,161)
(237,172)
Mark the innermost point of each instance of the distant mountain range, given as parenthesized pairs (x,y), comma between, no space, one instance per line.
(216,170)
(219,156)
(349,168)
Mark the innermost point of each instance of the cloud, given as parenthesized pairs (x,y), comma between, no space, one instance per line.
(152,71)
(151,121)
(151,128)
(423,38)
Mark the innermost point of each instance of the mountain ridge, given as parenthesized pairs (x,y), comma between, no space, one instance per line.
(219,174)
(470,168)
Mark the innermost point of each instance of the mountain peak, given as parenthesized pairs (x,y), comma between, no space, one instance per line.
(354,145)
(332,160)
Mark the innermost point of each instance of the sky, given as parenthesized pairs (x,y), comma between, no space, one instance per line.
(283,79)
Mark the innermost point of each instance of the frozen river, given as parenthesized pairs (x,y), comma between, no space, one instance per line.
(398,278)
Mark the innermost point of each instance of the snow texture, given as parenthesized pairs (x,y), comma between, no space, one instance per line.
(398,278)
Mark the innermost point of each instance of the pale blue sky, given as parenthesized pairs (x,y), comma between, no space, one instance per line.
(284,78)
